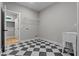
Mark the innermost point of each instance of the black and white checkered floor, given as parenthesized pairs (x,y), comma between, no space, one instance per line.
(35,47)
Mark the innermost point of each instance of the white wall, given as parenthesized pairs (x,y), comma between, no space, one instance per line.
(59,18)
(78,32)
(28,21)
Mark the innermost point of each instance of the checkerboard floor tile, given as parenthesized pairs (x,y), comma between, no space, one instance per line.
(36,47)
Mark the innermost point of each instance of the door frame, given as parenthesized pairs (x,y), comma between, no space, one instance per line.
(19,14)
(3,14)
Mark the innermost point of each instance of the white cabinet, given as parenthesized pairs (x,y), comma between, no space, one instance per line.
(70,39)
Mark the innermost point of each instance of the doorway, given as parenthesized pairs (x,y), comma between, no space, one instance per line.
(10,28)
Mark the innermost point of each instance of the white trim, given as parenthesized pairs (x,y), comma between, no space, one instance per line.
(5,25)
(19,24)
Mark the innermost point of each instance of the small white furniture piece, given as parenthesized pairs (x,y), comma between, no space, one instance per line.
(70,42)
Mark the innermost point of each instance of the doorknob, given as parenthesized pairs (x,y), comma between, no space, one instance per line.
(5,30)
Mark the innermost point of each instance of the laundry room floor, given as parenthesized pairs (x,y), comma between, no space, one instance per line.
(36,47)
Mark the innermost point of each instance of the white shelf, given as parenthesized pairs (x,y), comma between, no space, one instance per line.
(9,21)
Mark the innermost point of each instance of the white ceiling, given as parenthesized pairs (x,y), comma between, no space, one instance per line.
(37,6)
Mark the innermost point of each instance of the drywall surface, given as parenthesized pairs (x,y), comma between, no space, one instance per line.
(78,30)
(59,18)
(28,20)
